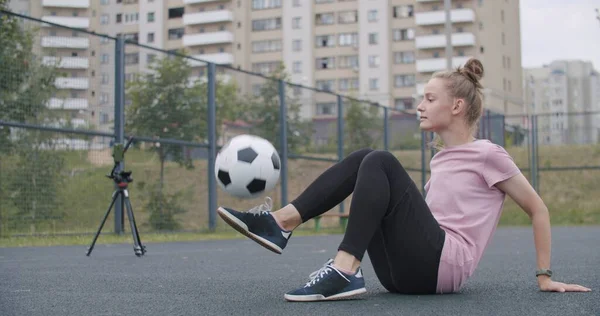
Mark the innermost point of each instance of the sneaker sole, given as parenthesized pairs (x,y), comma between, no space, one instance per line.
(319,297)
(242,228)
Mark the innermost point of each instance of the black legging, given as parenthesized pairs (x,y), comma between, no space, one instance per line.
(388,218)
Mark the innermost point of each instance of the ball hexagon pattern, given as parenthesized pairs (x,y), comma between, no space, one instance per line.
(247,166)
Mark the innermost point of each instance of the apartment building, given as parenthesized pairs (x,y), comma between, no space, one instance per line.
(383,51)
(67,50)
(566,97)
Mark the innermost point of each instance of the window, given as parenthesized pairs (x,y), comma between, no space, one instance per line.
(502,16)
(176,33)
(297,45)
(503,39)
(324,18)
(266,24)
(104,19)
(265,67)
(103,98)
(404,81)
(296,3)
(104,79)
(326,108)
(265,4)
(346,17)
(297,67)
(326,85)
(403,34)
(404,57)
(132,58)
(325,63)
(297,23)
(104,2)
(373,61)
(348,39)
(266,46)
(132,18)
(104,59)
(348,84)
(150,58)
(373,84)
(119,18)
(132,37)
(150,17)
(373,38)
(348,61)
(403,103)
(325,41)
(372,16)
(176,13)
(403,11)
(150,38)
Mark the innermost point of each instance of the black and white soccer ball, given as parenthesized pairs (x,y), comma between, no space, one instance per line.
(247,166)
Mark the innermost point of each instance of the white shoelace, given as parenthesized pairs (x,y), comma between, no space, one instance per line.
(264,208)
(317,275)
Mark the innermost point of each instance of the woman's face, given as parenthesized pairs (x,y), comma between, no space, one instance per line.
(436,108)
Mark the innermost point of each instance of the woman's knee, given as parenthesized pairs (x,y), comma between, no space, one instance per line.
(380,156)
(359,155)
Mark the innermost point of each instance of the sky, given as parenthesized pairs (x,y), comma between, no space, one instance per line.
(559,29)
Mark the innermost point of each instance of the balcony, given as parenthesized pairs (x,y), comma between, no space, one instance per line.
(74,22)
(438,41)
(221,78)
(65,42)
(67,104)
(425,1)
(207,17)
(79,4)
(218,58)
(199,1)
(437,64)
(207,38)
(72,83)
(439,17)
(66,62)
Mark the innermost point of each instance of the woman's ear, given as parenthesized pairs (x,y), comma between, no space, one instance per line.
(458,106)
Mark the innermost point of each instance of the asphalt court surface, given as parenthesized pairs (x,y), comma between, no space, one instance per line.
(238,277)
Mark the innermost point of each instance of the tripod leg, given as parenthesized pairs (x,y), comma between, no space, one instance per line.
(112,203)
(138,248)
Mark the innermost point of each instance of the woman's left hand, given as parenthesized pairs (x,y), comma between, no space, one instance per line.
(547,285)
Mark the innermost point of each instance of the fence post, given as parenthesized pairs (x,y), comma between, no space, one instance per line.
(119,121)
(212,148)
(386,132)
(423,170)
(283,142)
(536,154)
(340,135)
(533,150)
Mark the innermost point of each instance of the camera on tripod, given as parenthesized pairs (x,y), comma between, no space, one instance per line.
(121,180)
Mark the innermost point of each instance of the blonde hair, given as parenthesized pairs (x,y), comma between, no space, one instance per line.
(463,83)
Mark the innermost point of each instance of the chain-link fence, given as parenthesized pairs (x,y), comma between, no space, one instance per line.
(68,96)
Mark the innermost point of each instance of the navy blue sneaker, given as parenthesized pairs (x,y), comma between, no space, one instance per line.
(329,283)
(259,225)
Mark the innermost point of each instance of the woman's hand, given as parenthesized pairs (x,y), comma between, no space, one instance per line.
(547,285)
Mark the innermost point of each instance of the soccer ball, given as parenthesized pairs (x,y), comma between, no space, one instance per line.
(247,166)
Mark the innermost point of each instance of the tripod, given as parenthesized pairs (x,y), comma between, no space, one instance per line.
(122,180)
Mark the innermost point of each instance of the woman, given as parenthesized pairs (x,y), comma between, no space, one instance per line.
(416,245)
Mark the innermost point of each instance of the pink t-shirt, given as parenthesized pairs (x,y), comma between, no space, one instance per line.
(462,197)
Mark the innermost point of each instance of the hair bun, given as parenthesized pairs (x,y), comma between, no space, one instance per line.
(473,69)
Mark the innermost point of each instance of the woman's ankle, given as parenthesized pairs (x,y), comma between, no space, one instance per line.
(346,262)
(288,218)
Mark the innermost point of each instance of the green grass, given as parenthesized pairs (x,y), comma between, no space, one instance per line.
(146,238)
(570,195)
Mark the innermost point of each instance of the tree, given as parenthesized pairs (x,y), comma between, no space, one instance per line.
(26,85)
(362,127)
(165,103)
(264,112)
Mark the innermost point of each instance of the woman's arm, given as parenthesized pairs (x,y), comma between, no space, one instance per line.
(519,189)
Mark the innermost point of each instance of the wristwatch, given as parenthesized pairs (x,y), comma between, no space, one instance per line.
(547,272)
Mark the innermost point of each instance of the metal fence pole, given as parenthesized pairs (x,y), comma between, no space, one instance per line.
(283,142)
(340,135)
(386,132)
(536,154)
(119,122)
(423,170)
(212,148)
